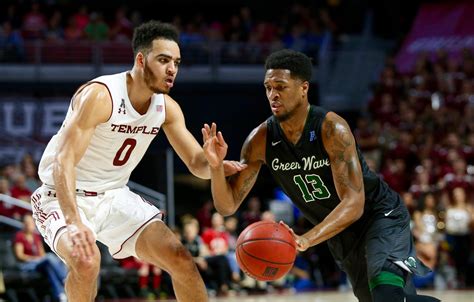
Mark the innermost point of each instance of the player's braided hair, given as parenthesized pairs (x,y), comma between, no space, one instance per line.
(296,62)
(144,35)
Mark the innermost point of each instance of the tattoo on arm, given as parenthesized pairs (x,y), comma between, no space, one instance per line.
(249,174)
(341,145)
(246,186)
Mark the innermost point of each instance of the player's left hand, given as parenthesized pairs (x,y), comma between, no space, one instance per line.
(302,244)
(215,147)
(215,150)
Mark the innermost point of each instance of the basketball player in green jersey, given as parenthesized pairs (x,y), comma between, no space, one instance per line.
(313,156)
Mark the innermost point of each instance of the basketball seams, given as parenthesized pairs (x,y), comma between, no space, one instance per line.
(245,269)
(269,239)
(258,224)
(264,260)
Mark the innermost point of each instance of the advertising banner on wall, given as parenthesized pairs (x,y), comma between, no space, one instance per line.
(26,125)
(448,26)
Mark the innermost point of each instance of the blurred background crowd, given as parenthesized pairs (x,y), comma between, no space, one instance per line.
(415,127)
(306,27)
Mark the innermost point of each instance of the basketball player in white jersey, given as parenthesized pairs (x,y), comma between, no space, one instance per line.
(86,166)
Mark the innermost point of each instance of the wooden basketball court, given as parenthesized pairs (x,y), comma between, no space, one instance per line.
(447,295)
(334,296)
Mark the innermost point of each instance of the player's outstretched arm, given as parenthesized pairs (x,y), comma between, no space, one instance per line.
(347,174)
(91,106)
(228,193)
(186,146)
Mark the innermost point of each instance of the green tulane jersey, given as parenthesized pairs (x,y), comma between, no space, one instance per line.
(304,173)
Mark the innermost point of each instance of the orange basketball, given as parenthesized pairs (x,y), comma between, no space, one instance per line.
(266,250)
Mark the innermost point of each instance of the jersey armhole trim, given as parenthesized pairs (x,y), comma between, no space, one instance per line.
(87,84)
(164,109)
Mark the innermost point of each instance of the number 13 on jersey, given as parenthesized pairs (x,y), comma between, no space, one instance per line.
(311,186)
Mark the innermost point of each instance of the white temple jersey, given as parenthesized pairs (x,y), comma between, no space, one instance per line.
(117,146)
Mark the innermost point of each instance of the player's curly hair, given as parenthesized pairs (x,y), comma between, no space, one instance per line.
(144,35)
(296,62)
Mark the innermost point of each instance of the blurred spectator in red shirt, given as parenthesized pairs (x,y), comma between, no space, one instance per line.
(214,269)
(145,272)
(34,23)
(216,238)
(404,149)
(395,175)
(73,32)
(81,18)
(458,177)
(29,250)
(19,189)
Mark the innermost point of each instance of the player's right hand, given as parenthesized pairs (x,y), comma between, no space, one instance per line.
(82,240)
(302,244)
(231,167)
(215,147)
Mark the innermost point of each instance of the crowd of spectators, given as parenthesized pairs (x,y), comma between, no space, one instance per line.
(303,27)
(418,132)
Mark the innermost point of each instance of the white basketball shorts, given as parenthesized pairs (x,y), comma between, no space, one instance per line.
(115,217)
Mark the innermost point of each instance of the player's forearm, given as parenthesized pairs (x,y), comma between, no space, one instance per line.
(199,166)
(65,186)
(224,201)
(338,220)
